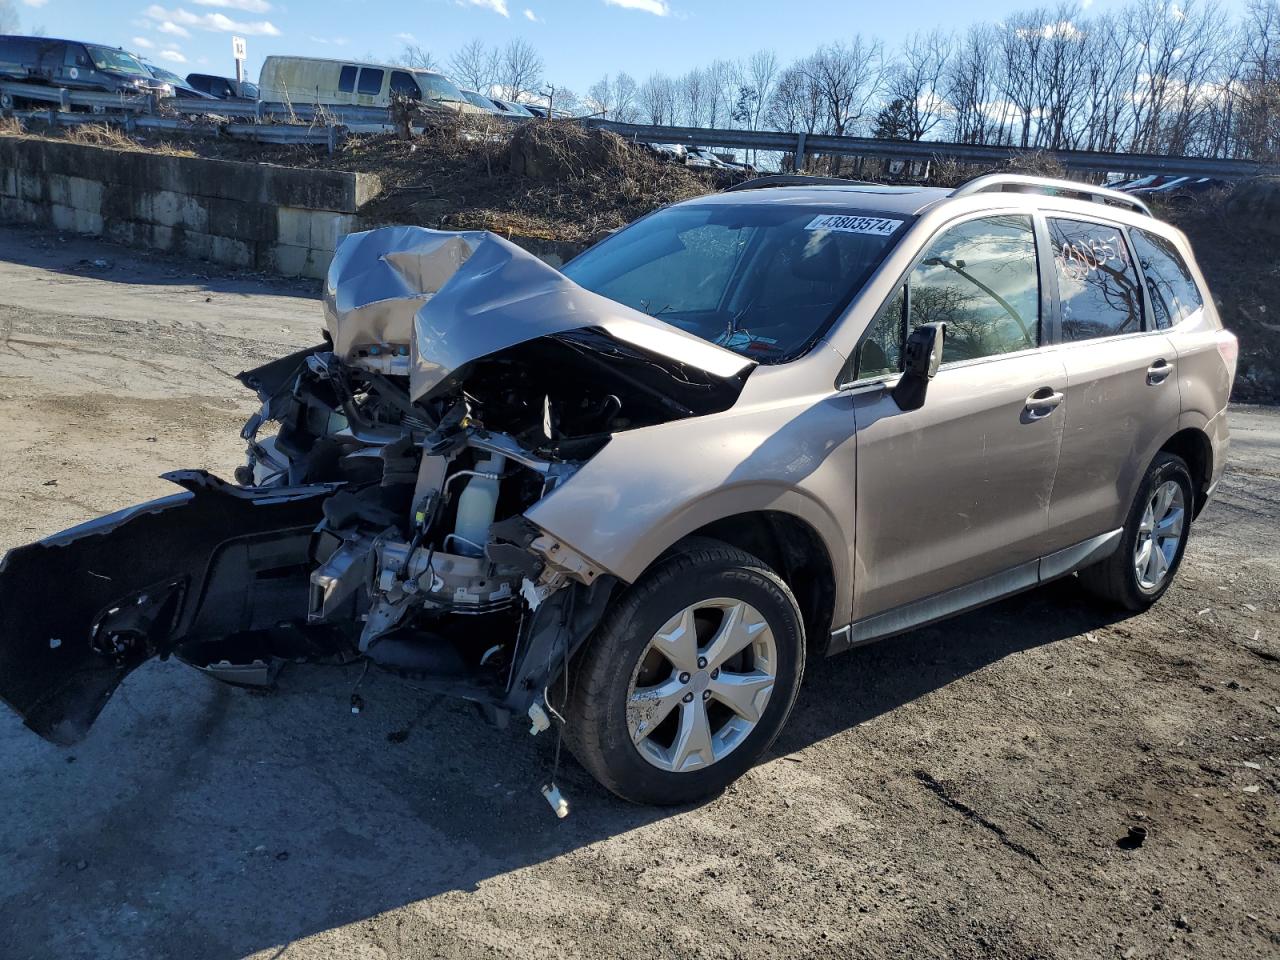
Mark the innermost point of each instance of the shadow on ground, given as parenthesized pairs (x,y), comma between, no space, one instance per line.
(203,821)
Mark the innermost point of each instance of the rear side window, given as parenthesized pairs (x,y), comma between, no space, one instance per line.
(1097,283)
(370,82)
(981,278)
(1173,291)
(404,84)
(347,82)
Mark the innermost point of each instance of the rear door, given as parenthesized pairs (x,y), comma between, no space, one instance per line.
(1122,383)
(958,490)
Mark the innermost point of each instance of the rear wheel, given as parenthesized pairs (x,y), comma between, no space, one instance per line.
(689,679)
(1153,542)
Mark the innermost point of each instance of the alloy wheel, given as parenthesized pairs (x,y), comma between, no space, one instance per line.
(701,685)
(1159,535)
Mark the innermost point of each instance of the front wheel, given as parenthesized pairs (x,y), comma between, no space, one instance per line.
(689,678)
(1153,541)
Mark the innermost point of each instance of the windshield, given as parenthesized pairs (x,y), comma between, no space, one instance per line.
(437,87)
(117,61)
(763,279)
(478,100)
(248,89)
(160,73)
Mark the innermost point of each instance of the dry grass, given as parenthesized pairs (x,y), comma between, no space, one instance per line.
(100,135)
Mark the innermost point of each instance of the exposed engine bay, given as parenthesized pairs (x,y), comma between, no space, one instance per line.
(379,513)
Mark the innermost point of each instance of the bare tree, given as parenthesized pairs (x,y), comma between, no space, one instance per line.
(847,78)
(656,100)
(417,57)
(625,91)
(916,80)
(1257,122)
(693,98)
(475,66)
(519,69)
(760,72)
(796,103)
(722,82)
(600,97)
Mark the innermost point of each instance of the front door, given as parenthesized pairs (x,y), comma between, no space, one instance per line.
(959,489)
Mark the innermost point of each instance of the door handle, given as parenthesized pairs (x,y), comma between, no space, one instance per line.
(1043,402)
(1159,371)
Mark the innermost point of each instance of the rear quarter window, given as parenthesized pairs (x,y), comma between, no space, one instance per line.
(1097,282)
(347,81)
(1173,291)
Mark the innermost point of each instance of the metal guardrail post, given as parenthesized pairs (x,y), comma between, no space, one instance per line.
(64,101)
(332,139)
(799,161)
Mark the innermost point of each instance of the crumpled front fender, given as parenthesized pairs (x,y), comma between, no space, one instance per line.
(83,608)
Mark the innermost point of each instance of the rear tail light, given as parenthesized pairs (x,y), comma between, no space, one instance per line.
(1229,347)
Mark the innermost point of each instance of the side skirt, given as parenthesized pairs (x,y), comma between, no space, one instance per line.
(949,603)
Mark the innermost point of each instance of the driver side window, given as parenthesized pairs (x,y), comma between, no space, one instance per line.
(981,277)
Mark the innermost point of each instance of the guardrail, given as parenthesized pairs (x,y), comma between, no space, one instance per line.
(328,136)
(804,144)
(325,125)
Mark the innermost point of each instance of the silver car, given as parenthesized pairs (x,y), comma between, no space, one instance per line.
(627,502)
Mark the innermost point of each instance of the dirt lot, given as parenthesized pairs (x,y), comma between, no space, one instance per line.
(958,792)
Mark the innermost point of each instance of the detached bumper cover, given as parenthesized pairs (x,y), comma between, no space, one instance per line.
(82,609)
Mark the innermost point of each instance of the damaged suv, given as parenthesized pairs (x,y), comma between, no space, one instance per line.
(633,497)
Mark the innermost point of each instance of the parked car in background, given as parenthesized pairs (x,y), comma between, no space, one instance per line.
(511,108)
(311,80)
(704,158)
(672,152)
(1142,183)
(480,101)
(539,110)
(74,65)
(178,87)
(1180,189)
(223,88)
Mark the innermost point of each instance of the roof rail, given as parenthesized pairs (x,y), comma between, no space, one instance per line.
(1021,183)
(795,180)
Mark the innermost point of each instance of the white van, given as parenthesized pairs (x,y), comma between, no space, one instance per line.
(313,81)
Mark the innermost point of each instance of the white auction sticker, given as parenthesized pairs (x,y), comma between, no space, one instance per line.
(843,223)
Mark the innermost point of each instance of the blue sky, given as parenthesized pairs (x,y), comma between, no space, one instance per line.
(580,40)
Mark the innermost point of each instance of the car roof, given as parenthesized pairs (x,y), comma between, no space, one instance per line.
(903,200)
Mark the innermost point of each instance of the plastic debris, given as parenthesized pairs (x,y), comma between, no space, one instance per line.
(556,800)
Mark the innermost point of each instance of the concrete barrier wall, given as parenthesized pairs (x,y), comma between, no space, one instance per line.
(276,219)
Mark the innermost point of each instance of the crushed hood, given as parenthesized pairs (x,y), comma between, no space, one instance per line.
(449,299)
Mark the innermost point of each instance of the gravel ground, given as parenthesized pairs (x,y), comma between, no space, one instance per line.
(957,792)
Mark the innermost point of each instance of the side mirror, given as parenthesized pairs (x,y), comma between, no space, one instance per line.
(920,360)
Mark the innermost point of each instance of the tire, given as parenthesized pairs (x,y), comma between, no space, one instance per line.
(1116,580)
(713,580)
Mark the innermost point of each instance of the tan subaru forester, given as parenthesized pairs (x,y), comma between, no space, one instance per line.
(627,501)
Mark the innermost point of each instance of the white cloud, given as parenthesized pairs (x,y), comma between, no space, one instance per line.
(142,43)
(531,16)
(173,29)
(659,8)
(173,56)
(497,6)
(213,22)
(407,37)
(336,41)
(1086,4)
(249,6)
(35,3)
